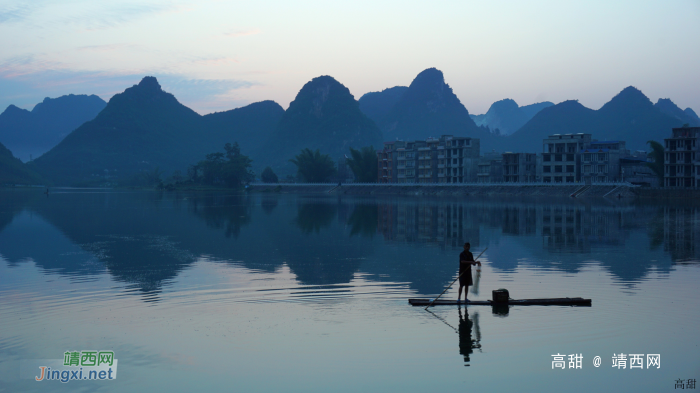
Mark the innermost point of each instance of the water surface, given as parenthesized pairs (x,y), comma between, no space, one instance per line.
(269,292)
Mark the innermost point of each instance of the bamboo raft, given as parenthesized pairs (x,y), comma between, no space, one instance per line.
(563,301)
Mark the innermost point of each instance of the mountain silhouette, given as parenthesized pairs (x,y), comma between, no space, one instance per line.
(691,113)
(35,132)
(325,116)
(507,116)
(377,104)
(630,116)
(145,128)
(13,171)
(533,109)
(667,106)
(429,108)
(251,124)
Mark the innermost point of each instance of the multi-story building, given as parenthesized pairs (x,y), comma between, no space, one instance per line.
(428,161)
(490,168)
(461,158)
(682,158)
(600,161)
(406,161)
(519,167)
(447,159)
(635,170)
(386,163)
(561,157)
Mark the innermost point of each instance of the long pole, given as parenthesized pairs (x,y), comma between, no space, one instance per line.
(448,287)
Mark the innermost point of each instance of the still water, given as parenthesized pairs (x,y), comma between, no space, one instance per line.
(268,292)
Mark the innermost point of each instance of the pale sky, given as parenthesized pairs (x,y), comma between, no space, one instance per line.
(219,55)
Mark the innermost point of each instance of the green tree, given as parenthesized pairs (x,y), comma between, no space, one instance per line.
(314,167)
(230,168)
(236,171)
(364,164)
(268,176)
(657,154)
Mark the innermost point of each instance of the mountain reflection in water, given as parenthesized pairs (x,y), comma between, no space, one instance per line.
(146,239)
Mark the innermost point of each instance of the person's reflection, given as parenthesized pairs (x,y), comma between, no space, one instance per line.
(467,344)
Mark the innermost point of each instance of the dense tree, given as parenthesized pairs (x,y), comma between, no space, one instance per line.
(314,167)
(231,168)
(657,154)
(364,164)
(268,176)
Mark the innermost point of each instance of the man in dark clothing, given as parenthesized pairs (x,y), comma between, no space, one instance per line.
(466,260)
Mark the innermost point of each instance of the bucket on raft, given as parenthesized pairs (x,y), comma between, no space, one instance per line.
(500,295)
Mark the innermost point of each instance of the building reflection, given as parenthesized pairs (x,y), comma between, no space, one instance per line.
(570,232)
(444,224)
(681,231)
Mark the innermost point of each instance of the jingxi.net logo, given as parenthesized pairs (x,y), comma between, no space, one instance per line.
(75,366)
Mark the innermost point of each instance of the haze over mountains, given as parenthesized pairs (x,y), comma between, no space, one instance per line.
(34,132)
(630,116)
(427,108)
(145,128)
(505,117)
(325,116)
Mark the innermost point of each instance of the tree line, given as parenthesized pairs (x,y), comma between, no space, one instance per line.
(231,168)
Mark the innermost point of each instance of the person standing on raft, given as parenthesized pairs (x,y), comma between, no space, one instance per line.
(466,260)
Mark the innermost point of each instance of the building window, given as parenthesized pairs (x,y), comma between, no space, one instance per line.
(546,157)
(586,169)
(569,168)
(569,157)
(547,179)
(557,168)
(557,157)
(569,179)
(547,169)
(587,157)
(557,179)
(601,168)
(601,156)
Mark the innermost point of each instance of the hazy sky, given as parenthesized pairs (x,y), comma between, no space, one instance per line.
(218,55)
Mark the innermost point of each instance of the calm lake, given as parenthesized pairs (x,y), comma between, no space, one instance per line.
(269,292)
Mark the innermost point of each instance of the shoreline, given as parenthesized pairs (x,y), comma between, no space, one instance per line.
(615,191)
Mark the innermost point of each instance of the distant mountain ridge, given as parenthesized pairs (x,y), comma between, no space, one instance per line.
(145,128)
(667,106)
(377,104)
(324,115)
(507,117)
(427,108)
(629,116)
(691,113)
(34,132)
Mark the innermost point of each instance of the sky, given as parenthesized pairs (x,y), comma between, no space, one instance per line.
(216,55)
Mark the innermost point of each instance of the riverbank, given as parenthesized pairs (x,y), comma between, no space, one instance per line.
(614,190)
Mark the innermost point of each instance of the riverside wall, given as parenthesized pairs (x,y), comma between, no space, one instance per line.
(615,190)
